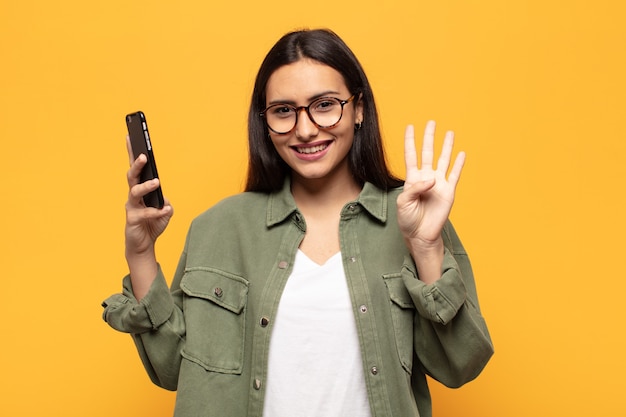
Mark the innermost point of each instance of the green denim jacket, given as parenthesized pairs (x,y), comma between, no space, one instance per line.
(208,335)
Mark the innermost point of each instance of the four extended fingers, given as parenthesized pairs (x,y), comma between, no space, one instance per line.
(443,162)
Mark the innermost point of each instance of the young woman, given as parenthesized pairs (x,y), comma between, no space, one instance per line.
(329,287)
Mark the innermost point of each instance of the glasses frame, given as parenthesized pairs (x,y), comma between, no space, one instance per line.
(298,109)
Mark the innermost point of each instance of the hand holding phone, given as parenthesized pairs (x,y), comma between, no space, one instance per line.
(141,143)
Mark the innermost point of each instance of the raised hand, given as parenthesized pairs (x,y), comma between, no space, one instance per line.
(143,226)
(426,202)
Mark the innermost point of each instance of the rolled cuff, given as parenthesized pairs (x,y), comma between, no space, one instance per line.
(441,300)
(124,313)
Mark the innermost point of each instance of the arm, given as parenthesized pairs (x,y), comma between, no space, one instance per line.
(145,304)
(451,338)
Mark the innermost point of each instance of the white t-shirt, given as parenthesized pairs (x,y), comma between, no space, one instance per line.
(315,367)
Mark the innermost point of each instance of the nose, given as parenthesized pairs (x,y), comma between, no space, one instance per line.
(305,128)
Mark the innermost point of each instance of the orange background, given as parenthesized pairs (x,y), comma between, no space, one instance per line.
(534,89)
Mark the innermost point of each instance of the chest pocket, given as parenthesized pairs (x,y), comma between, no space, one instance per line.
(215,319)
(402,314)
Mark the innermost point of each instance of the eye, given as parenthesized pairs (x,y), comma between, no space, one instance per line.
(324,105)
(281,110)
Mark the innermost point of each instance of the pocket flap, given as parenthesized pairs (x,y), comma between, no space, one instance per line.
(397,291)
(224,289)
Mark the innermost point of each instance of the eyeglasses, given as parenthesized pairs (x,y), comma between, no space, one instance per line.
(324,112)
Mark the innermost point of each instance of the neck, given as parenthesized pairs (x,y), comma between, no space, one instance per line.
(324,195)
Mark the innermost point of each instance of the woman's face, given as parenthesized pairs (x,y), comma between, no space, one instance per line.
(312,152)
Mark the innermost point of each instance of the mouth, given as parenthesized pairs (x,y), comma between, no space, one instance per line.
(311,148)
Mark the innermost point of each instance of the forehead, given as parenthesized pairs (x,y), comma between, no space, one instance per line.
(304,80)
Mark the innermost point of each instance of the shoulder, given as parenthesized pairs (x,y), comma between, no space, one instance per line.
(241,206)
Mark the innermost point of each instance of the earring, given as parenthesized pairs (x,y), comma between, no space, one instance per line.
(358,125)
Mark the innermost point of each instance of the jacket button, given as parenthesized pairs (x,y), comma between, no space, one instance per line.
(218,292)
(257,384)
(264,321)
(283,264)
(363,309)
(374,370)
(352,259)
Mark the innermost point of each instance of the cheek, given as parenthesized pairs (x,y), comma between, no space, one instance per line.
(347,131)
(278,143)
(275,141)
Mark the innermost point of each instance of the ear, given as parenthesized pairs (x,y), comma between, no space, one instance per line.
(358,109)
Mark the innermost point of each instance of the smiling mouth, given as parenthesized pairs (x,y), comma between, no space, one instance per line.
(311,149)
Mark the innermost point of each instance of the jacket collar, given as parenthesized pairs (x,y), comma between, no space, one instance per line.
(280,204)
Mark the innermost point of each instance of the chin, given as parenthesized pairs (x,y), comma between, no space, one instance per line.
(311,176)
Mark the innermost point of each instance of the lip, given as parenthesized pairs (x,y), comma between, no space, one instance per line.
(327,144)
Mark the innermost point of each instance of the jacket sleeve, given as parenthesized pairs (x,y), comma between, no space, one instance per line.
(156,324)
(451,339)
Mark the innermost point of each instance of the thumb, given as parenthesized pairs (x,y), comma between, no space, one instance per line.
(413,191)
(419,187)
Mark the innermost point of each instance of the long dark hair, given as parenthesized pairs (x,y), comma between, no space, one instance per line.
(266,169)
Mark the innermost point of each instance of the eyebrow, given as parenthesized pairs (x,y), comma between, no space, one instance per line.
(310,99)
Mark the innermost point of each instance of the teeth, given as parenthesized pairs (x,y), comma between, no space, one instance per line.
(312,149)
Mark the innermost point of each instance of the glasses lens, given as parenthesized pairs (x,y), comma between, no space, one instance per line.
(324,112)
(281,118)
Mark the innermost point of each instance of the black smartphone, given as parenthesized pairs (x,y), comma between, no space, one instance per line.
(141,144)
